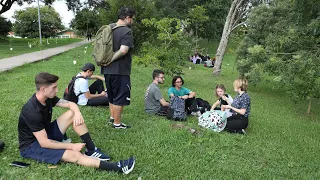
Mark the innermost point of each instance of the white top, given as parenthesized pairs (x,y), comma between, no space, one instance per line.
(81,85)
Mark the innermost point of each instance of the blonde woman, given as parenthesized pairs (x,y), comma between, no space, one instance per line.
(240,108)
(223,99)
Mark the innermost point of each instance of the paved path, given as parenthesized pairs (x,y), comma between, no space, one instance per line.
(15,61)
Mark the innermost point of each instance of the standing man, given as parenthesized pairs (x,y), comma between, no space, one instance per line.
(117,74)
(154,102)
(40,139)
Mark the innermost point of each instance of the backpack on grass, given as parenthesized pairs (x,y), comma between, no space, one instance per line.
(203,105)
(69,92)
(176,109)
(103,45)
(215,120)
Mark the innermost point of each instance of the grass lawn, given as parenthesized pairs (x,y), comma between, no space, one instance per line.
(282,142)
(21,46)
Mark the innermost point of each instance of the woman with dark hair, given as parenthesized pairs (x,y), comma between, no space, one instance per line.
(184,93)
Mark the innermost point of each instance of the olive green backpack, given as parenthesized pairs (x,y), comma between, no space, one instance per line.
(103,45)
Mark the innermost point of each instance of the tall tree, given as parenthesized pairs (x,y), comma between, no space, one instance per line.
(86,21)
(5,27)
(26,24)
(237,12)
(283,41)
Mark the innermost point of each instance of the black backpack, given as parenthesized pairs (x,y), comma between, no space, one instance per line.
(203,105)
(69,92)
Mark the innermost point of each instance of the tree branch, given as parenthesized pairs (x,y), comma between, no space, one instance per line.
(6,6)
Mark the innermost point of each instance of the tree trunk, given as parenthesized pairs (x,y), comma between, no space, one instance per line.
(228,27)
(309,106)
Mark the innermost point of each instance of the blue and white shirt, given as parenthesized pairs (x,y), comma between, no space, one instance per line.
(242,102)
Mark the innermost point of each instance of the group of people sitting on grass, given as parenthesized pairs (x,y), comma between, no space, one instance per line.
(198,58)
(41,139)
(237,109)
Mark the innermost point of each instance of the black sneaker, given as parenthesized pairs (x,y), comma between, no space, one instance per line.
(121,126)
(111,120)
(126,165)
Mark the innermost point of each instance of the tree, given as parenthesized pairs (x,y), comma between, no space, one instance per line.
(73,5)
(26,24)
(237,12)
(86,21)
(6,26)
(283,42)
(197,17)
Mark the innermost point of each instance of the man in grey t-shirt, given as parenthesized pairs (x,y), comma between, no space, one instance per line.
(154,102)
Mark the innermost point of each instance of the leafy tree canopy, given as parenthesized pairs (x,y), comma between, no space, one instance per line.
(283,41)
(26,24)
(5,27)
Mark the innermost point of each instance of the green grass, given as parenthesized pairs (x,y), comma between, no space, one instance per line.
(20,46)
(282,142)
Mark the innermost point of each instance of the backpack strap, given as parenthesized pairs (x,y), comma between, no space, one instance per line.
(77,77)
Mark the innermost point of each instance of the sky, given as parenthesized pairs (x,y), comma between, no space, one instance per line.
(59,5)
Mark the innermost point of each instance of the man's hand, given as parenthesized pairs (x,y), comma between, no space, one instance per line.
(103,93)
(78,119)
(77,146)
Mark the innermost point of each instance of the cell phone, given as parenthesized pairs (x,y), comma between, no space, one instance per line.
(19,164)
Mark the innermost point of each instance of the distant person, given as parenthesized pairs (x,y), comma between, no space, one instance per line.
(89,36)
(117,74)
(40,139)
(223,99)
(184,93)
(240,108)
(93,95)
(154,102)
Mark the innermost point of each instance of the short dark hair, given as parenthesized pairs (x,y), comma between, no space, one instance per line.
(45,79)
(175,78)
(156,73)
(126,11)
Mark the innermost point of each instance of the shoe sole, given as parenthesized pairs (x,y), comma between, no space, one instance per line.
(98,158)
(129,171)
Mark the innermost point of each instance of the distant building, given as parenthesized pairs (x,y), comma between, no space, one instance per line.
(68,33)
(11,34)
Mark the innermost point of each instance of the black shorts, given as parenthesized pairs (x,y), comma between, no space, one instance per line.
(118,89)
(36,152)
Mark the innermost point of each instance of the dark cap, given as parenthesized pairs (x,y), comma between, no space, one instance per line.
(88,66)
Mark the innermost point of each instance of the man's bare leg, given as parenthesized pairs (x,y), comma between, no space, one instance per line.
(117,110)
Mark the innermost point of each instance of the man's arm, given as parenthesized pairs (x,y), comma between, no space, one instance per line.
(163,102)
(97,77)
(90,96)
(78,119)
(44,142)
(121,52)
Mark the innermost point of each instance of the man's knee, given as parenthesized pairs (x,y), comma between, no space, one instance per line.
(71,156)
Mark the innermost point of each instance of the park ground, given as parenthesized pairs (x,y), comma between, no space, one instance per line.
(282,141)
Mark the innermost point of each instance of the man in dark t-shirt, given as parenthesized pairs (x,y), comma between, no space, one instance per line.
(40,139)
(117,74)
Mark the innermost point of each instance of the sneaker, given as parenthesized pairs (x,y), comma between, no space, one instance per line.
(121,126)
(111,120)
(97,154)
(198,113)
(127,165)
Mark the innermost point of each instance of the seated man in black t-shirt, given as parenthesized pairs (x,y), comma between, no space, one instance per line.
(40,139)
